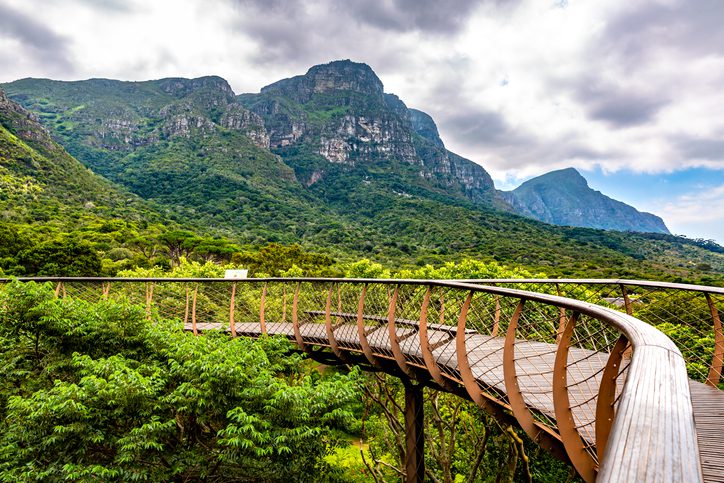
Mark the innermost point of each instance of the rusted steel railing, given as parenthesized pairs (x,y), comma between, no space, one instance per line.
(688,314)
(593,385)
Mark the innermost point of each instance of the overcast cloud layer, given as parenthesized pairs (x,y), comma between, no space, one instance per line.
(521,87)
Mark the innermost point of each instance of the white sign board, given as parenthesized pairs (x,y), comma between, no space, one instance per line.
(236,273)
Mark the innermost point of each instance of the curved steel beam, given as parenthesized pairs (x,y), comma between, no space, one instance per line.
(430,363)
(607,395)
(232,325)
(718,358)
(478,396)
(581,460)
(295,321)
(262,310)
(394,340)
(362,330)
(542,435)
(330,330)
(193,310)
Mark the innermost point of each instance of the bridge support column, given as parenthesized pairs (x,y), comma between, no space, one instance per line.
(414,433)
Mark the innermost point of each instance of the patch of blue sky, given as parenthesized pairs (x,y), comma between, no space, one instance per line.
(690,201)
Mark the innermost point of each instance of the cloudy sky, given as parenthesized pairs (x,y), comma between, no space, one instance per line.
(629,92)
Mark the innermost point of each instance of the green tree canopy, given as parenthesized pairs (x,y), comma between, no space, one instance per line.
(61,257)
(94,391)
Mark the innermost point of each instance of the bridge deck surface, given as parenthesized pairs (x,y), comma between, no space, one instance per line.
(534,363)
(708,405)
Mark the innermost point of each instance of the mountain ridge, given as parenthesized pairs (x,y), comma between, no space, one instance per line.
(354,123)
(34,165)
(339,112)
(563,197)
(394,193)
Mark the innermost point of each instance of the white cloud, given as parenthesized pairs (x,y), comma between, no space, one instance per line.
(699,214)
(703,206)
(521,87)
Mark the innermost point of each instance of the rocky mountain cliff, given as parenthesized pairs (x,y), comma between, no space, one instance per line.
(99,111)
(563,197)
(336,120)
(331,133)
(326,159)
(184,143)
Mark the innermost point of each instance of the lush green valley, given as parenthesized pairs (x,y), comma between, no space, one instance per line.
(361,241)
(325,160)
(186,180)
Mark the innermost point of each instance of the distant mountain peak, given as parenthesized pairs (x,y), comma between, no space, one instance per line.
(568,176)
(181,87)
(563,197)
(345,66)
(338,114)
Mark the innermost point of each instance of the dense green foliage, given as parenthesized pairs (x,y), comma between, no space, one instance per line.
(94,391)
(462,442)
(98,391)
(57,217)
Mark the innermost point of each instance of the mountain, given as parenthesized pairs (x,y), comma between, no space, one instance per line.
(40,182)
(56,216)
(563,197)
(326,159)
(336,123)
(184,144)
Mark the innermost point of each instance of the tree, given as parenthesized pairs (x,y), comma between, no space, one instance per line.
(215,250)
(94,391)
(179,243)
(62,258)
(12,242)
(274,258)
(147,246)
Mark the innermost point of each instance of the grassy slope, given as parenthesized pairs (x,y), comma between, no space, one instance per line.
(42,183)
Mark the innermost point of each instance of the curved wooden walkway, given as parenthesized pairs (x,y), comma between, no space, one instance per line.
(486,362)
(595,386)
(708,403)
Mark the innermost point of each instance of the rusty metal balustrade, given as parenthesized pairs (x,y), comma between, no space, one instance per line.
(670,307)
(592,384)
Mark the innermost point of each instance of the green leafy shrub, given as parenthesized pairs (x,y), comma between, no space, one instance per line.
(95,391)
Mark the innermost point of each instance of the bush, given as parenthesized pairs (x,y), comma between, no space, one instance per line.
(95,391)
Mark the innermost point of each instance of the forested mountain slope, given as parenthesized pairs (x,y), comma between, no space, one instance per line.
(335,125)
(42,182)
(54,210)
(327,160)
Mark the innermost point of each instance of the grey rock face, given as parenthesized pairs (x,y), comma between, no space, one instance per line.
(122,116)
(239,119)
(24,123)
(340,112)
(355,137)
(341,75)
(423,125)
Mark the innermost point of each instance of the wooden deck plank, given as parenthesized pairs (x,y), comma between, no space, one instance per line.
(708,404)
